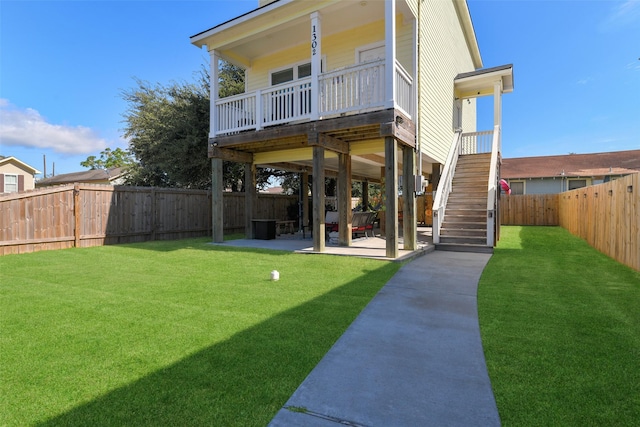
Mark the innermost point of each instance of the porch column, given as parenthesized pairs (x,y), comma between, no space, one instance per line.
(213,94)
(316,63)
(344,199)
(250,198)
(217,203)
(305,199)
(318,199)
(409,223)
(365,195)
(497,107)
(391,194)
(390,51)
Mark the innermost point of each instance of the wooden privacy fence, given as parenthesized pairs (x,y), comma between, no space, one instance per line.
(607,216)
(529,209)
(84,215)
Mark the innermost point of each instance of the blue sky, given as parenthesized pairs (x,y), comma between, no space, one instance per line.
(64,64)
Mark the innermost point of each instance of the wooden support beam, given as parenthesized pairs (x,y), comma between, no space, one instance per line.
(334,144)
(250,198)
(399,132)
(318,199)
(344,200)
(409,220)
(391,196)
(229,155)
(217,204)
(305,200)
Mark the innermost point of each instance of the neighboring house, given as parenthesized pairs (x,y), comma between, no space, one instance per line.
(359,90)
(113,176)
(555,174)
(16,175)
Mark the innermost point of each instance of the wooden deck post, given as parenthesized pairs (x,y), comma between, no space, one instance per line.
(217,204)
(391,195)
(249,198)
(409,222)
(344,199)
(305,200)
(318,199)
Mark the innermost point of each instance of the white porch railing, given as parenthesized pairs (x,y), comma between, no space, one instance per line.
(477,142)
(445,186)
(354,89)
(492,188)
(405,96)
(358,88)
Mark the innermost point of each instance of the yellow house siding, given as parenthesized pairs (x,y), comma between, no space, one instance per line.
(338,51)
(443,55)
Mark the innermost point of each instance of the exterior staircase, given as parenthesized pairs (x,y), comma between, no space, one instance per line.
(464,227)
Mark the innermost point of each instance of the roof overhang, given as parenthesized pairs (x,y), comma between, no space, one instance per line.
(462,9)
(284,24)
(482,82)
(22,165)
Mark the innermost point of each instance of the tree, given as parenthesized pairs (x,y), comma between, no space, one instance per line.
(109,159)
(168,129)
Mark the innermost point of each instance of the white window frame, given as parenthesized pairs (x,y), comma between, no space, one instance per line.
(6,190)
(518,181)
(587,182)
(295,67)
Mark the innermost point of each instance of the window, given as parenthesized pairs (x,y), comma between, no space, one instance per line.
(10,183)
(290,74)
(517,187)
(577,183)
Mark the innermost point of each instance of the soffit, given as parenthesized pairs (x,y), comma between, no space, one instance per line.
(287,26)
(481,82)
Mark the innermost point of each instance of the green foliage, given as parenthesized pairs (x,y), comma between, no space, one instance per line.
(560,324)
(167,128)
(168,131)
(109,159)
(188,334)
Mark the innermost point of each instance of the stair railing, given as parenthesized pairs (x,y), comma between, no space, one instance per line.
(492,188)
(444,186)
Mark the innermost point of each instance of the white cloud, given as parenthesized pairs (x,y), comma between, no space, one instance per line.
(624,13)
(27,128)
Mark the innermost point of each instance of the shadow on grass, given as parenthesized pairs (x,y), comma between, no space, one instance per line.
(242,381)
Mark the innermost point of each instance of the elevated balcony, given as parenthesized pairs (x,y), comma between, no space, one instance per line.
(350,90)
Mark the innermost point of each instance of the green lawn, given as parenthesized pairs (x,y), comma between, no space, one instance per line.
(169,333)
(560,326)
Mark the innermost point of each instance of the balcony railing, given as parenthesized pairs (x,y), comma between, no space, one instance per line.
(354,89)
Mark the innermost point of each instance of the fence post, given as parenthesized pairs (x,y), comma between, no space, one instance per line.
(153,213)
(76,214)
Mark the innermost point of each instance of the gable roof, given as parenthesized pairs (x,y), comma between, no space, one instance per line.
(93,175)
(22,165)
(572,165)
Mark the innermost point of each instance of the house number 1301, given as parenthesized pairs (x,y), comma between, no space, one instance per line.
(314,41)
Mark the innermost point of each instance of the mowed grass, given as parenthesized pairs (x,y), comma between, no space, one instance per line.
(169,333)
(560,326)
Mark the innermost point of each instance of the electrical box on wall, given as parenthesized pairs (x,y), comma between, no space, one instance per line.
(421,184)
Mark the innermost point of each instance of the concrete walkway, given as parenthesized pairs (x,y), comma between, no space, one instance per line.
(413,357)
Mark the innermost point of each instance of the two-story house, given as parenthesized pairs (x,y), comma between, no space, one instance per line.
(364,91)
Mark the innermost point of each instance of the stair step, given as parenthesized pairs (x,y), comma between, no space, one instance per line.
(483,249)
(471,240)
(464,225)
(463,233)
